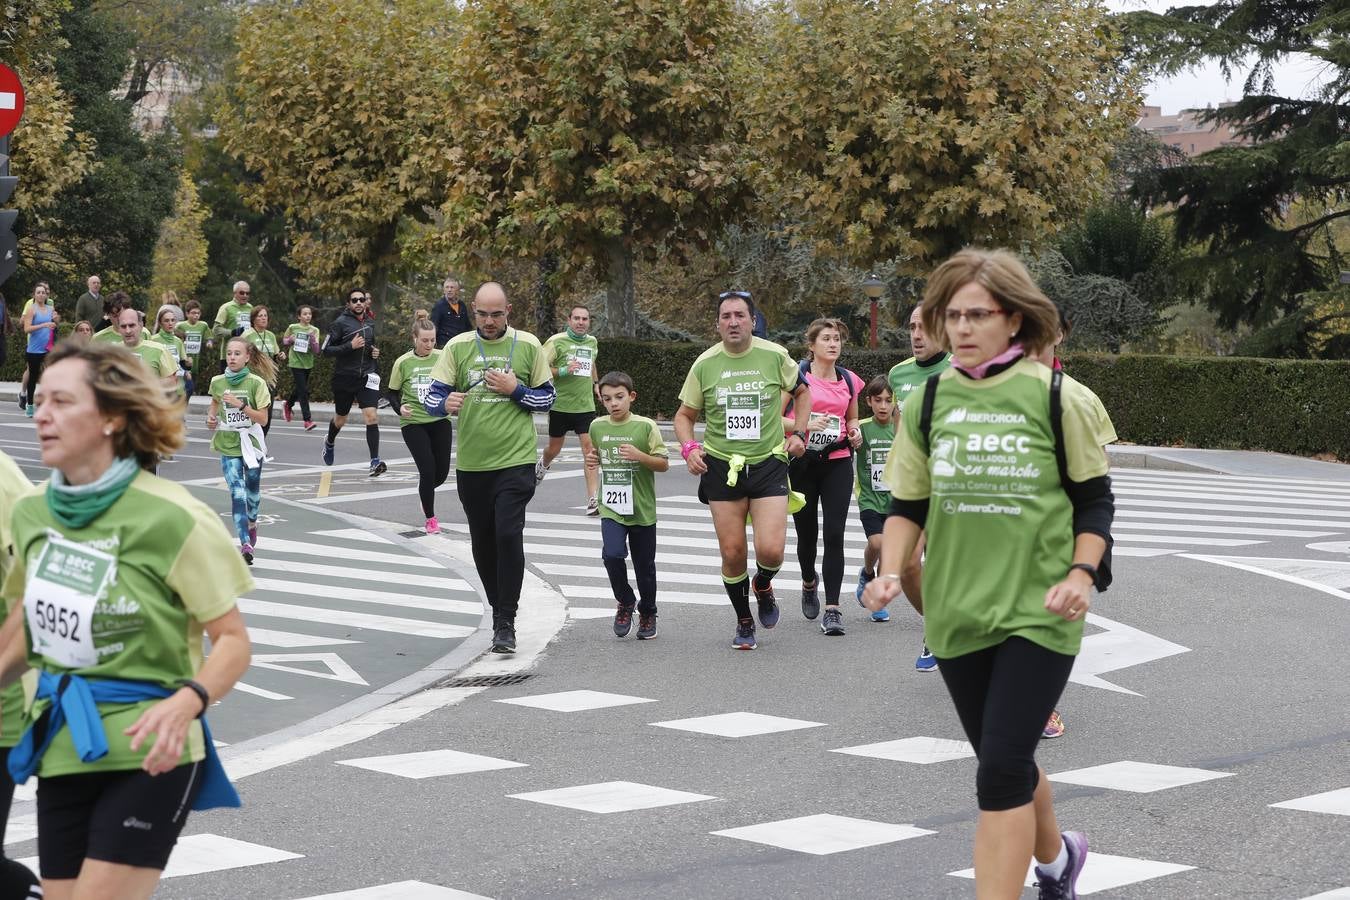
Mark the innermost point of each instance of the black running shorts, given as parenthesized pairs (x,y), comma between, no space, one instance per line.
(560,423)
(766,478)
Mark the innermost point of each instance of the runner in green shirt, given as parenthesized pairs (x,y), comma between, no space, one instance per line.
(573,359)
(874,498)
(494,378)
(428,437)
(233,317)
(116,575)
(1014,552)
(155,356)
(166,322)
(625,452)
(302,342)
(196,336)
(738,385)
(240,399)
(259,335)
(929,359)
(15,879)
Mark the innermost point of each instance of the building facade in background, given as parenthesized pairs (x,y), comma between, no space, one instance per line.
(1186,132)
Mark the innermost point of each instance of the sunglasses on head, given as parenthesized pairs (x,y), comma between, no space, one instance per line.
(727,295)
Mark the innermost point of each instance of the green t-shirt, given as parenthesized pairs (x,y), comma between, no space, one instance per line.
(741,397)
(494,431)
(13,485)
(627,489)
(910,375)
(1102,427)
(576,392)
(157,358)
(411,377)
(232,421)
(194,336)
(131,591)
(171,342)
(1000,527)
(265,341)
(111,335)
(306,336)
(871,464)
(230,316)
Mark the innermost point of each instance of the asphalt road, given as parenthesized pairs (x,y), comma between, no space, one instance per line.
(1217,656)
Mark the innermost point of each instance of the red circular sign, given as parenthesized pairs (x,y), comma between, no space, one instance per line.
(11,100)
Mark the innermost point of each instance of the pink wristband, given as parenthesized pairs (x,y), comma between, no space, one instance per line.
(689,447)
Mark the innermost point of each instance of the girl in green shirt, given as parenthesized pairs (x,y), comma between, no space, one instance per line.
(428,437)
(302,341)
(166,321)
(259,336)
(240,400)
(1013,548)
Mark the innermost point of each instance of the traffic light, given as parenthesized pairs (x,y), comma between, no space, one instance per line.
(9,244)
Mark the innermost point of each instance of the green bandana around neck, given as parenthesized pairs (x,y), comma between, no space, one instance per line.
(236,378)
(76,505)
(579,338)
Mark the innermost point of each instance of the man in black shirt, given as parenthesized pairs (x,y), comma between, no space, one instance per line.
(350,340)
(450,314)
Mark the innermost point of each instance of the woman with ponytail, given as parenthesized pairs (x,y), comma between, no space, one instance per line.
(240,400)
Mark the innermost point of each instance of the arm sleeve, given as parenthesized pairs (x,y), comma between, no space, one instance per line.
(1094,506)
(209,574)
(534,399)
(442,384)
(914,510)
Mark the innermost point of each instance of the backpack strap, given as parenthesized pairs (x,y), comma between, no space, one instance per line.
(926,411)
(1057,425)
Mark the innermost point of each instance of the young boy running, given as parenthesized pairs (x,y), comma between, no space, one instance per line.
(874,500)
(625,451)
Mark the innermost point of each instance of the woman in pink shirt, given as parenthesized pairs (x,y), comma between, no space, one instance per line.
(824,474)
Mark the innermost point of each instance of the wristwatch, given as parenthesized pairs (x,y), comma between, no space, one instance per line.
(801,435)
(1086,567)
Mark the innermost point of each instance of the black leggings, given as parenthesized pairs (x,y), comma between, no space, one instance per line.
(429,445)
(300,391)
(1003,695)
(494,503)
(35,361)
(827,484)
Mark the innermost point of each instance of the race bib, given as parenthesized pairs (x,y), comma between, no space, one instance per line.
(192,342)
(825,431)
(617,490)
(241,320)
(421,385)
(584,361)
(743,417)
(301,344)
(373,381)
(59,599)
(235,419)
(878,462)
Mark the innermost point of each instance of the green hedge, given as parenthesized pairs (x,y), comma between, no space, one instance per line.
(1285,406)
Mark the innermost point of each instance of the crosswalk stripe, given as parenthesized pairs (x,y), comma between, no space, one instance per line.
(353,534)
(1172,495)
(1216,529)
(337,553)
(674,560)
(268,637)
(1226,488)
(1181,510)
(603,595)
(395,624)
(345,573)
(1254,480)
(1189,516)
(1173,539)
(247,688)
(362,595)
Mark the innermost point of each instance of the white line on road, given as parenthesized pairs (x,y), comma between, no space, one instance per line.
(361,595)
(394,624)
(345,573)
(344,554)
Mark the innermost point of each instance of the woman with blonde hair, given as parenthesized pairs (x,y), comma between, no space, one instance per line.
(115,575)
(997,459)
(241,404)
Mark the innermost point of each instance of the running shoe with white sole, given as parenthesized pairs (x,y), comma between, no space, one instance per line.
(433,526)
(593,506)
(246,551)
(623,620)
(863,579)
(768,606)
(377,467)
(832,623)
(881,615)
(1054,727)
(926,661)
(646,626)
(745,635)
(540,470)
(504,639)
(1065,887)
(328,451)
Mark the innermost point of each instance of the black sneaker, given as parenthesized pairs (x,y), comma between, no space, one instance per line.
(23,401)
(768,606)
(623,620)
(811,600)
(646,626)
(504,639)
(832,623)
(377,468)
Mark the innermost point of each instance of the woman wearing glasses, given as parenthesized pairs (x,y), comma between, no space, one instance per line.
(1012,550)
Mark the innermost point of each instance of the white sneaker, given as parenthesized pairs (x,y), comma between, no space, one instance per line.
(539,471)
(593,506)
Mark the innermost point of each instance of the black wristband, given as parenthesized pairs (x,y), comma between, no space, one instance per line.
(799,434)
(200,691)
(1086,567)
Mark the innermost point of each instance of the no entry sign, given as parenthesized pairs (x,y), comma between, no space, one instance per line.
(11,100)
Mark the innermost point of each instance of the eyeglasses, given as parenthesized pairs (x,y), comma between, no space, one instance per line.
(977,316)
(727,295)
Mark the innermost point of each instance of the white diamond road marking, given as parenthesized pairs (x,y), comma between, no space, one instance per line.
(431,764)
(338,668)
(1337,803)
(401,890)
(921,750)
(196,854)
(611,797)
(1137,777)
(575,701)
(738,724)
(1118,646)
(1102,872)
(1338,894)
(824,833)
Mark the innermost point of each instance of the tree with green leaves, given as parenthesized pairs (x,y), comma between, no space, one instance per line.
(339,112)
(1258,263)
(190,38)
(595,132)
(180,252)
(904,131)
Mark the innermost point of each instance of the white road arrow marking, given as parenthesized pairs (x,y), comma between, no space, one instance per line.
(1323,575)
(338,669)
(1118,647)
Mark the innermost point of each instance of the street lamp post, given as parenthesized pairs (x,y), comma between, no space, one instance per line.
(873,287)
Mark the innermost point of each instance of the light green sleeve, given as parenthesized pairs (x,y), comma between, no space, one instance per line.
(396,374)
(542,372)
(906,474)
(209,574)
(656,445)
(444,370)
(691,394)
(1082,449)
(789,374)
